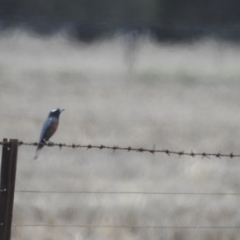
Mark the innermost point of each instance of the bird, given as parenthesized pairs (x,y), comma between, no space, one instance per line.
(49,128)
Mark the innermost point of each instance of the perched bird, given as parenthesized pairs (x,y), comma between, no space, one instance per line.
(49,128)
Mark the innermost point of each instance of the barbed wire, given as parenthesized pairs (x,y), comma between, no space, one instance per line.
(122,226)
(129,149)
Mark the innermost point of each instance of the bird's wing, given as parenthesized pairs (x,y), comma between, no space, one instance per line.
(46,125)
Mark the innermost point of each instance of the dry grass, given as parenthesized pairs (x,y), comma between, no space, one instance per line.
(178,97)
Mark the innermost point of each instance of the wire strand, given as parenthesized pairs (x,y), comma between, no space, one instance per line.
(136,193)
(130,149)
(123,226)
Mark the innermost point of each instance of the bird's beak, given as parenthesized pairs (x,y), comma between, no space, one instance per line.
(62,110)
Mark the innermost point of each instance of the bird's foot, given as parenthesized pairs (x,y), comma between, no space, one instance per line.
(49,143)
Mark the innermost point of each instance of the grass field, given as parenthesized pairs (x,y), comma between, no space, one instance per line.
(176,97)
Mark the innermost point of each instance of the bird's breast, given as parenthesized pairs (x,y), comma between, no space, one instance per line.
(51,129)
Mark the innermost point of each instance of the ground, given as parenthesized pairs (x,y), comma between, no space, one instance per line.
(177,97)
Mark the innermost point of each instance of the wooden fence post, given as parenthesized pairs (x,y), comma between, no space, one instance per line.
(7,186)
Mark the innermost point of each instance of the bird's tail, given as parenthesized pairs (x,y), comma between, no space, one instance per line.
(40,146)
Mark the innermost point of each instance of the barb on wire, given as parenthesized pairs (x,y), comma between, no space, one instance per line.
(130,149)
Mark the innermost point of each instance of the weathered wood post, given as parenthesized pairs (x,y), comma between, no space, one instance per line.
(7,186)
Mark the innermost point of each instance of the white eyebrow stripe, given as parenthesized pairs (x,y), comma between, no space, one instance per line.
(54,110)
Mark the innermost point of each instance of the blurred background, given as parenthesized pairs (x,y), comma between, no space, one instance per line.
(141,74)
(90,20)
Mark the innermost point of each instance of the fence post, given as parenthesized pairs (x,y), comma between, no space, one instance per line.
(7,186)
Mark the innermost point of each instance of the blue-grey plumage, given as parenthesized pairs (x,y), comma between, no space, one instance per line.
(49,128)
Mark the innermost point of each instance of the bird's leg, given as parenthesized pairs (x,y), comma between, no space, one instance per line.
(49,143)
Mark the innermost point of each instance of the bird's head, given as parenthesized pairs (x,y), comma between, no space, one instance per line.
(55,112)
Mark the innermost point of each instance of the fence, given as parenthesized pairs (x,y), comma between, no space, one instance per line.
(8,173)
(7,187)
